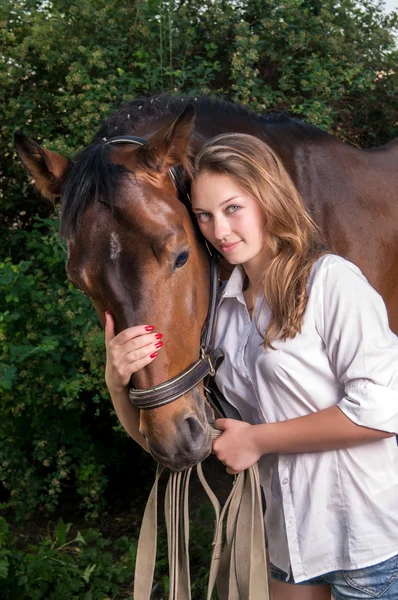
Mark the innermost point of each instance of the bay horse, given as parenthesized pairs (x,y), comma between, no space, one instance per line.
(134,250)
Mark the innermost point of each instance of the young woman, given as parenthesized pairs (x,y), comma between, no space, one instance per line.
(310,378)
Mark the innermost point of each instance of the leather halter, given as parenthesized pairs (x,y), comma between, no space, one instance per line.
(209,360)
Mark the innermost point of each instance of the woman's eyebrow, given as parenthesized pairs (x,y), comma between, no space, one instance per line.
(221,204)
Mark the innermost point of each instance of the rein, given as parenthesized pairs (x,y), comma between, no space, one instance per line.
(209,361)
(238,565)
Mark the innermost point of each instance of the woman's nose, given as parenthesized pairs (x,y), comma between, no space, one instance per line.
(221,228)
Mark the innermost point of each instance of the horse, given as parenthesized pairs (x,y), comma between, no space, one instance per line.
(134,249)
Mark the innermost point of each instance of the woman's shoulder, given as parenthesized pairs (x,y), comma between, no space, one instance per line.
(331,270)
(336,283)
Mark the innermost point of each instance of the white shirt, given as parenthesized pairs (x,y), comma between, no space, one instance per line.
(334,510)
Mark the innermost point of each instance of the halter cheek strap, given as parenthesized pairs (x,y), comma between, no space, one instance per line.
(210,360)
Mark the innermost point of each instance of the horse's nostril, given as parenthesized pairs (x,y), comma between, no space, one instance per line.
(191,434)
(193,427)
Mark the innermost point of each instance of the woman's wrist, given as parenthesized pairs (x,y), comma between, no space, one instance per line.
(116,389)
(262,438)
(128,415)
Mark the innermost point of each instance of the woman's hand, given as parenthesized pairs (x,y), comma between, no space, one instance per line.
(127,352)
(236,447)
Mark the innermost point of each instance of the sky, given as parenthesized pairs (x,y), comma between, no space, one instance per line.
(391,4)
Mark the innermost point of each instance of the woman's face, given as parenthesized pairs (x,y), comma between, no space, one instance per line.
(230,219)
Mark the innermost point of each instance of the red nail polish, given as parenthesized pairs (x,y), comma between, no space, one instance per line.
(153,354)
(149,328)
(158,336)
(159,345)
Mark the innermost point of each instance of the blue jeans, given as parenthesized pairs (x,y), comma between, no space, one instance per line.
(377,581)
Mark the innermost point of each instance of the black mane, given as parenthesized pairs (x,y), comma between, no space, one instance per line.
(143,111)
(92,176)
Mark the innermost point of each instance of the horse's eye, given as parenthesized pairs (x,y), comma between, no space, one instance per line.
(181,259)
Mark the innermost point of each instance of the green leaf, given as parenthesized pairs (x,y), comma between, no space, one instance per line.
(4,565)
(88,572)
(79,538)
(61,532)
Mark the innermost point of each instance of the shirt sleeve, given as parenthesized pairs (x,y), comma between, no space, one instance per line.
(353,323)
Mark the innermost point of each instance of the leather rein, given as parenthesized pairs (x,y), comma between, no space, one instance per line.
(209,361)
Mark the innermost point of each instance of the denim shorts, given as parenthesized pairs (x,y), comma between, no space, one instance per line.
(377,581)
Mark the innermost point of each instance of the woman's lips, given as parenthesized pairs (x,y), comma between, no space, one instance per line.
(229,247)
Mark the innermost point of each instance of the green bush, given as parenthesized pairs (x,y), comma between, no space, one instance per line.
(331,63)
(63,563)
(62,566)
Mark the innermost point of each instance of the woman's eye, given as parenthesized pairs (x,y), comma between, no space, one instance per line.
(181,259)
(232,208)
(202,216)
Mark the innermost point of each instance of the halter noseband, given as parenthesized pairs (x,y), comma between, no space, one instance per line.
(209,360)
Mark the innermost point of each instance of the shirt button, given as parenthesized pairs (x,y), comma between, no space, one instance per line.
(285,480)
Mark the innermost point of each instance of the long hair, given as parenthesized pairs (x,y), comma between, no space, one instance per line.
(293,238)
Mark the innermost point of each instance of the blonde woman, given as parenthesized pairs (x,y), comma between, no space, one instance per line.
(310,380)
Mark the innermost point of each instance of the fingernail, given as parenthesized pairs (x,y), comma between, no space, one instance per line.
(159,345)
(158,336)
(149,328)
(107,313)
(153,354)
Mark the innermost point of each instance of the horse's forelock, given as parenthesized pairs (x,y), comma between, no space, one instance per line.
(92,178)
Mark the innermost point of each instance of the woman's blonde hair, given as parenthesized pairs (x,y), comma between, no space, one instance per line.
(293,238)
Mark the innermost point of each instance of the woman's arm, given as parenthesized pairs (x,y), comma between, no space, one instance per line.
(328,429)
(127,353)
(129,416)
(242,444)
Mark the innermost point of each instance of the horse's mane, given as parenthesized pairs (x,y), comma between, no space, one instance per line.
(92,176)
(143,111)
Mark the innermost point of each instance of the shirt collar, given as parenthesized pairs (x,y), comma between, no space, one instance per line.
(233,288)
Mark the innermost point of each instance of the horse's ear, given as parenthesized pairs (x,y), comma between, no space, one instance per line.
(169,146)
(47,169)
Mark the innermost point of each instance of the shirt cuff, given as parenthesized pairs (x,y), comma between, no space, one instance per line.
(371,405)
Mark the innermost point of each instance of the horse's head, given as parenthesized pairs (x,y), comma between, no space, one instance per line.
(134,251)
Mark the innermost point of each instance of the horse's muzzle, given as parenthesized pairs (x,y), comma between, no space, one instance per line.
(191,445)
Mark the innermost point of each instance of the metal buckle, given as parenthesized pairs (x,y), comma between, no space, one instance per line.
(212,368)
(207,357)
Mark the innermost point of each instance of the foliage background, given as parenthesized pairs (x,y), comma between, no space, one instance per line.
(64,66)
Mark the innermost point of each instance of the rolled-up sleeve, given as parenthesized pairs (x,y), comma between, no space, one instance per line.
(353,323)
